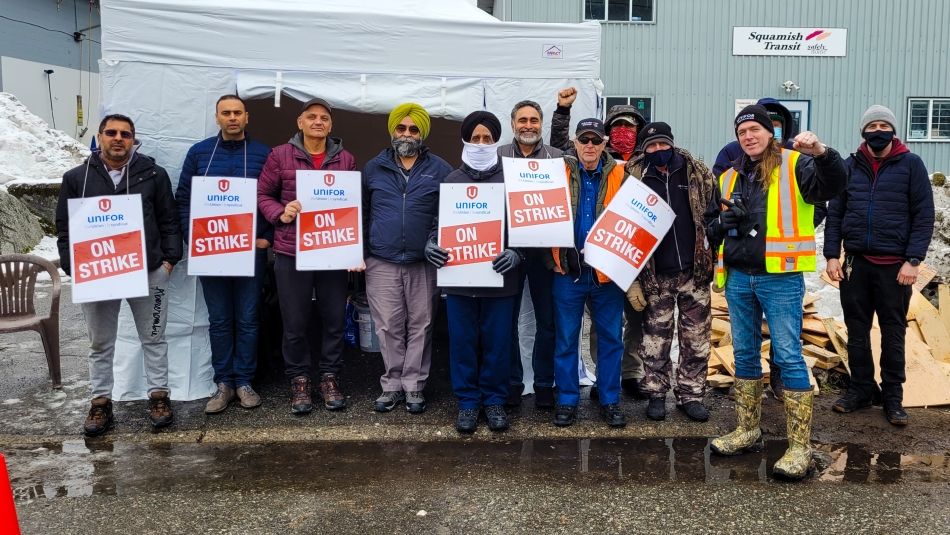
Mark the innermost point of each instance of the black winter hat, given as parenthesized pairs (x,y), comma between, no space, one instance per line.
(654,132)
(484,118)
(757,113)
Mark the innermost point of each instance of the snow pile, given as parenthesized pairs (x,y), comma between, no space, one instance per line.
(938,256)
(30,151)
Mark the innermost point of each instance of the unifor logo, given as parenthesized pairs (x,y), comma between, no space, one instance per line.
(533,165)
(105,204)
(818,35)
(329,179)
(472,192)
(652,199)
(224,185)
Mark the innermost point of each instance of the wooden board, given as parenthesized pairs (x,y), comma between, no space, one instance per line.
(814,325)
(820,341)
(934,332)
(925,274)
(720,381)
(927,383)
(810,299)
(943,295)
(827,279)
(725,356)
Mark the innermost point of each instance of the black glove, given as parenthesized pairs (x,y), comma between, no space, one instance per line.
(728,220)
(508,260)
(436,255)
(734,215)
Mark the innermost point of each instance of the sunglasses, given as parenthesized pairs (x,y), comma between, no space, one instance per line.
(583,140)
(401,129)
(124,134)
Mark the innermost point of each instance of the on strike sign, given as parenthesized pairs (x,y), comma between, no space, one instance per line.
(471,229)
(223,223)
(627,232)
(330,223)
(107,248)
(539,209)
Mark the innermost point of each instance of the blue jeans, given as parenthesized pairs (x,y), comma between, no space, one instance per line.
(779,297)
(233,304)
(479,348)
(542,356)
(606,303)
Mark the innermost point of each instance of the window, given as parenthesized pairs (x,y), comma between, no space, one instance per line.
(619,10)
(644,105)
(928,119)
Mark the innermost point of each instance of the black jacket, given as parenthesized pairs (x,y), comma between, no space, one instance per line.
(163,241)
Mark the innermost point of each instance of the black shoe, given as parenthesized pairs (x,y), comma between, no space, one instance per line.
(594,393)
(695,410)
(467,421)
(894,412)
(633,388)
(613,415)
(564,415)
(851,401)
(497,417)
(544,397)
(514,395)
(656,409)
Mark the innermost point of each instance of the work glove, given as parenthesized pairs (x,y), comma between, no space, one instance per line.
(436,255)
(508,260)
(734,215)
(635,296)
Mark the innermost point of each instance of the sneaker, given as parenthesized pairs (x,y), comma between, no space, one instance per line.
(220,400)
(333,398)
(415,402)
(159,409)
(99,420)
(895,414)
(388,400)
(544,397)
(613,415)
(851,401)
(633,388)
(656,409)
(300,400)
(467,421)
(249,398)
(564,415)
(695,410)
(497,417)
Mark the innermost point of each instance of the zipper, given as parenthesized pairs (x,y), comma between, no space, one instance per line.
(676,241)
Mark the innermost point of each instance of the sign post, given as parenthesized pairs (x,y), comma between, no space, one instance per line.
(539,208)
(471,229)
(223,223)
(330,222)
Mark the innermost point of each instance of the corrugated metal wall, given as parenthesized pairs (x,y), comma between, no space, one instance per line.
(896,50)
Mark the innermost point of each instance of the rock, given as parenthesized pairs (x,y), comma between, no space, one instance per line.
(938,179)
(40,198)
(20,230)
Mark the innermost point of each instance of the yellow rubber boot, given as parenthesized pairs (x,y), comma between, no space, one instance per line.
(748,415)
(797,459)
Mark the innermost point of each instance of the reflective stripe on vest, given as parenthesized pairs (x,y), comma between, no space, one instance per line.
(789,222)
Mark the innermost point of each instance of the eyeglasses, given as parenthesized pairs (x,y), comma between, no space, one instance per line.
(124,134)
(590,139)
(401,129)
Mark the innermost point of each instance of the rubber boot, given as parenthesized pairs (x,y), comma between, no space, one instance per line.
(748,415)
(797,459)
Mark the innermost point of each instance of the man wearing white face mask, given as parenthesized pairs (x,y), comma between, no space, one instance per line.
(481,320)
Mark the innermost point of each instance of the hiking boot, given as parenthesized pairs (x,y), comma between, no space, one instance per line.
(895,414)
(656,409)
(300,400)
(797,459)
(564,415)
(99,420)
(613,415)
(333,398)
(415,402)
(249,398)
(159,409)
(851,401)
(633,388)
(220,400)
(388,400)
(748,416)
(695,410)
(497,417)
(544,397)
(467,421)
(514,395)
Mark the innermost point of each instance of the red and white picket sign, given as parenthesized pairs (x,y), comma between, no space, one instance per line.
(471,229)
(223,223)
(8,521)
(330,222)
(539,208)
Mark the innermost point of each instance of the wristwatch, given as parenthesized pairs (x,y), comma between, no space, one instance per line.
(913,261)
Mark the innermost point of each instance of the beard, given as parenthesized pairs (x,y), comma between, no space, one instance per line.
(406,147)
(529,137)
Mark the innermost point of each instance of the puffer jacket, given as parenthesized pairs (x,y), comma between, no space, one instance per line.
(277,185)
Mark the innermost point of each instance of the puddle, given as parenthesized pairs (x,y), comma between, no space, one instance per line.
(95,467)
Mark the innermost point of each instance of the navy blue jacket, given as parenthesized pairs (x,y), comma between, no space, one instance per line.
(398,215)
(229,161)
(892,215)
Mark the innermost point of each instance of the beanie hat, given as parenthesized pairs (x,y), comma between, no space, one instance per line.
(410,109)
(484,118)
(757,113)
(878,113)
(654,132)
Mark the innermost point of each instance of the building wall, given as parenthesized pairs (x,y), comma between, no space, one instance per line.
(684,60)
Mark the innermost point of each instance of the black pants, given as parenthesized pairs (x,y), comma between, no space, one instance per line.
(873,289)
(295,290)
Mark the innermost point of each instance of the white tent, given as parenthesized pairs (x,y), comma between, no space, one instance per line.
(165,63)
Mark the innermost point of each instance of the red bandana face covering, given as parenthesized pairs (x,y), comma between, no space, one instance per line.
(623,139)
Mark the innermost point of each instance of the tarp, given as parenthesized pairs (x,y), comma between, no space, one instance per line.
(165,63)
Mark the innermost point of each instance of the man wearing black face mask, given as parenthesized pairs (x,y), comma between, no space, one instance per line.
(885,218)
(677,276)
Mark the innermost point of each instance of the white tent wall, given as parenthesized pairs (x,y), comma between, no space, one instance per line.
(166,62)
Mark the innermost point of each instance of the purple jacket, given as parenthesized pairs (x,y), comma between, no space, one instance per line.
(277,185)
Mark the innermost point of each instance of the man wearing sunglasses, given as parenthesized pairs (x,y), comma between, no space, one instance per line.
(400,206)
(594,178)
(117,169)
